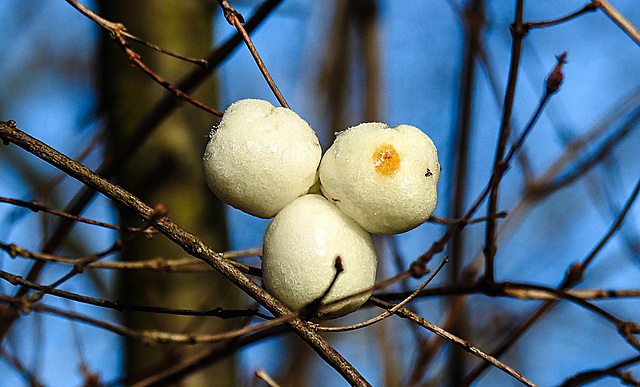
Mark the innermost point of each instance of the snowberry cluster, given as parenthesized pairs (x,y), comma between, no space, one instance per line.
(267,161)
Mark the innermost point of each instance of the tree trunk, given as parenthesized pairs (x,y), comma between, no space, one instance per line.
(166,170)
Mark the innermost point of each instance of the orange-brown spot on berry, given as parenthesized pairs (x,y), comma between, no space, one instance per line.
(386,159)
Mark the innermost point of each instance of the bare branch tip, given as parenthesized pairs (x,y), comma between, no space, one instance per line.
(230,13)
(338,265)
(555,78)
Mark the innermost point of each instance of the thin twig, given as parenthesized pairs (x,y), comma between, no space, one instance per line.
(111,26)
(148,337)
(388,312)
(583,166)
(80,265)
(590,376)
(187,264)
(172,374)
(522,293)
(134,58)
(552,85)
(312,309)
(590,7)
(197,61)
(619,19)
(235,19)
(573,149)
(34,206)
(627,329)
(612,230)
(117,32)
(444,221)
(583,294)
(120,306)
(262,374)
(467,346)
(518,31)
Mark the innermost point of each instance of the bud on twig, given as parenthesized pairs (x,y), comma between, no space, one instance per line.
(555,78)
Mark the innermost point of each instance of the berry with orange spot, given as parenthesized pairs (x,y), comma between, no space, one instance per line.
(383,178)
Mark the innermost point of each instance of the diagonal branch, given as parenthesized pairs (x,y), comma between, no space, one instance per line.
(235,19)
(128,148)
(189,242)
(619,19)
(467,346)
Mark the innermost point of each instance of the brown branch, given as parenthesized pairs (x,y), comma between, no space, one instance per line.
(444,221)
(189,242)
(619,19)
(187,264)
(118,34)
(263,375)
(388,312)
(175,372)
(148,337)
(590,7)
(111,27)
(593,375)
(518,31)
(34,206)
(465,345)
(120,306)
(235,19)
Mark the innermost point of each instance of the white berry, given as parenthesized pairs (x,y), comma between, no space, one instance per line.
(300,247)
(384,178)
(261,157)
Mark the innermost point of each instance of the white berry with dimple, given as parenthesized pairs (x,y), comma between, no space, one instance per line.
(261,157)
(384,178)
(300,247)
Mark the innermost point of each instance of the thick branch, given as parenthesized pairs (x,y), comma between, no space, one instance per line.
(189,242)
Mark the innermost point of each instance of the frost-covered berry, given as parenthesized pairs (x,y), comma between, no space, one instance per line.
(261,157)
(300,247)
(384,178)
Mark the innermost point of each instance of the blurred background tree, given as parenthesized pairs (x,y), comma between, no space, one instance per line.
(167,170)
